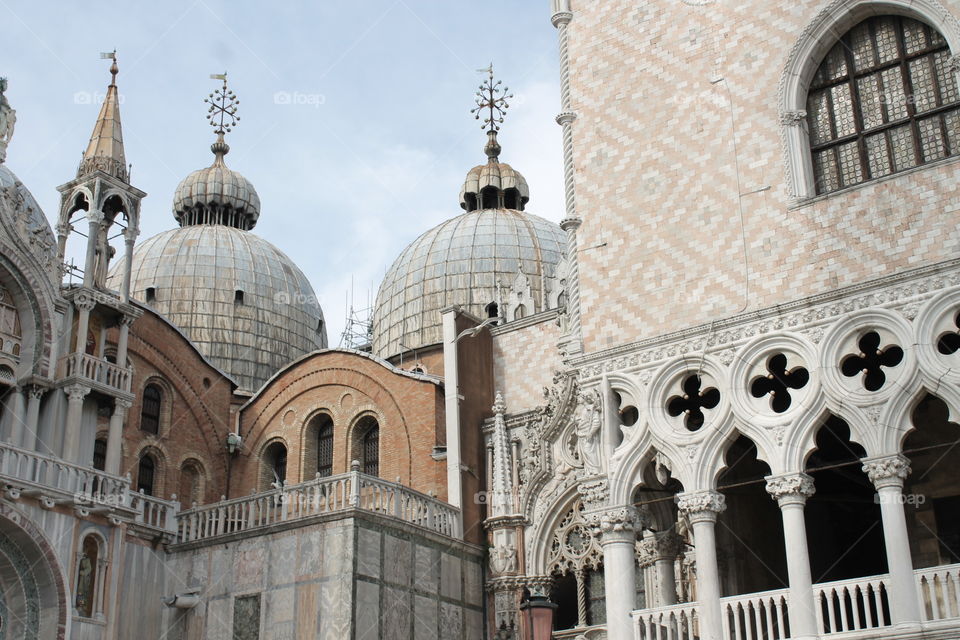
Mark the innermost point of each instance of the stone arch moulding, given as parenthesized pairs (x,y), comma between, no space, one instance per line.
(540,538)
(821,33)
(897,421)
(629,475)
(32,546)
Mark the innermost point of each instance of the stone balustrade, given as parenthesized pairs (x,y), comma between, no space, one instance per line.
(96,371)
(320,496)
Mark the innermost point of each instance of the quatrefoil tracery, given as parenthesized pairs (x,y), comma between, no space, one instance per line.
(693,401)
(778,382)
(871,361)
(949,343)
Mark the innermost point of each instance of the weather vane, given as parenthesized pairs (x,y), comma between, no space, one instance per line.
(492,96)
(222,114)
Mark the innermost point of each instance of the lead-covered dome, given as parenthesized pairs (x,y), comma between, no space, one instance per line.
(462,261)
(244,304)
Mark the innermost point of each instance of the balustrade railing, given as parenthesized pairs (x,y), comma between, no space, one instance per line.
(939,592)
(757,616)
(96,369)
(675,622)
(84,484)
(315,497)
(155,513)
(852,605)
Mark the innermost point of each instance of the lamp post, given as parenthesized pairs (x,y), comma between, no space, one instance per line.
(538,614)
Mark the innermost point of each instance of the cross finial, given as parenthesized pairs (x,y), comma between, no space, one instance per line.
(491,96)
(222,114)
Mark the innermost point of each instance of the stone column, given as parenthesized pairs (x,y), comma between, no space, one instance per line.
(791,492)
(701,509)
(115,436)
(85,304)
(130,237)
(618,536)
(71,437)
(887,474)
(34,394)
(661,550)
(16,407)
(94,218)
(561,20)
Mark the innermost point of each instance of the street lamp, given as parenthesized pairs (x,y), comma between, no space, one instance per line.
(538,613)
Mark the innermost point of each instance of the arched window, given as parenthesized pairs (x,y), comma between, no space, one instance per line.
(100,454)
(883,100)
(150,411)
(88,564)
(325,447)
(191,483)
(146,471)
(10,331)
(275,464)
(368,441)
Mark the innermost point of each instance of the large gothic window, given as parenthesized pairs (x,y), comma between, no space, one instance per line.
(150,412)
(883,100)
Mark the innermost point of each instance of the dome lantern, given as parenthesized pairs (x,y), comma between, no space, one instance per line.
(494,185)
(216,194)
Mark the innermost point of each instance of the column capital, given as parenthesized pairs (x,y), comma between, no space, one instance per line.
(35,391)
(539,585)
(619,524)
(570,224)
(565,117)
(887,471)
(76,392)
(702,505)
(663,545)
(792,118)
(561,18)
(84,301)
(95,216)
(122,403)
(790,488)
(126,320)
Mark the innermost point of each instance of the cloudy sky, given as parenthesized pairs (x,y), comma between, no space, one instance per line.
(355,126)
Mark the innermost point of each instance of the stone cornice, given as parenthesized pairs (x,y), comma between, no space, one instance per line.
(889,290)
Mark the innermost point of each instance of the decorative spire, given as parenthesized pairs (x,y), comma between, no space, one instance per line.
(8,117)
(105,151)
(222,115)
(491,97)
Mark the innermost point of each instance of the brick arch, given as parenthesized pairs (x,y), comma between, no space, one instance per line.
(156,451)
(407,406)
(308,440)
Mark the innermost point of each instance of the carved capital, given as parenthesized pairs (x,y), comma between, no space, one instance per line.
(702,505)
(539,586)
(84,301)
(570,224)
(790,488)
(35,391)
(76,392)
(562,17)
(953,63)
(616,525)
(792,118)
(566,117)
(126,321)
(122,404)
(887,471)
(665,545)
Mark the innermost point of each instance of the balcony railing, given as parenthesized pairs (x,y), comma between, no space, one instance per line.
(33,472)
(352,490)
(154,513)
(96,371)
(855,608)
(675,622)
(757,616)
